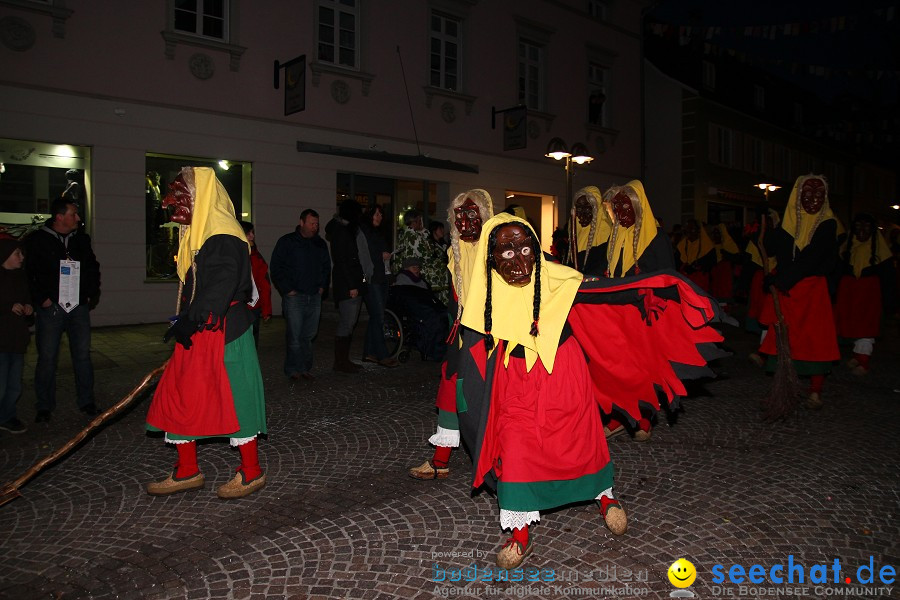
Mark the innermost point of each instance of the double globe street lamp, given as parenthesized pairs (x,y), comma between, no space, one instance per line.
(557,149)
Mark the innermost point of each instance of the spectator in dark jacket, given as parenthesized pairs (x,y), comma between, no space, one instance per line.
(64,277)
(347,279)
(300,269)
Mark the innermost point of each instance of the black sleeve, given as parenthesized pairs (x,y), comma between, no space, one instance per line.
(90,269)
(817,258)
(219,277)
(658,254)
(707,261)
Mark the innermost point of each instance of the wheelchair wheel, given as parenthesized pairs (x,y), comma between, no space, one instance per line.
(393,333)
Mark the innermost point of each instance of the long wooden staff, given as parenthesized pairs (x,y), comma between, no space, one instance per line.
(784,395)
(10,490)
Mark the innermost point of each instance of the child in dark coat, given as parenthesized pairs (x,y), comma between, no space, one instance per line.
(15,311)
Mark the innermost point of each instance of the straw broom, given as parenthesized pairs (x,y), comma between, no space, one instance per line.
(784,396)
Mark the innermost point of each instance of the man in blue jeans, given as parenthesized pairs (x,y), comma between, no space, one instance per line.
(300,268)
(54,255)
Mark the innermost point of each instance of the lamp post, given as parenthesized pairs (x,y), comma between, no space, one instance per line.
(579,154)
(766,188)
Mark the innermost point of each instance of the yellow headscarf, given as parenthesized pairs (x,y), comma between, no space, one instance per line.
(728,244)
(461,269)
(691,251)
(803,231)
(512,307)
(599,218)
(622,242)
(861,252)
(213,214)
(756,257)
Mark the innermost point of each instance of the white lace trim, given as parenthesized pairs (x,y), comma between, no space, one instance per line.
(513,519)
(242,441)
(864,346)
(607,492)
(170,441)
(445,438)
(234,441)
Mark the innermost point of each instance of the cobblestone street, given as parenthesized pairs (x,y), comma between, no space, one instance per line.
(340,518)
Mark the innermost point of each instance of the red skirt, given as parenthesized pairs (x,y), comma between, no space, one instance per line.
(722,280)
(857,312)
(757,297)
(810,322)
(701,278)
(543,427)
(193,396)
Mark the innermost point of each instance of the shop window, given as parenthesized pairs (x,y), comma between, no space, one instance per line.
(161,235)
(33,174)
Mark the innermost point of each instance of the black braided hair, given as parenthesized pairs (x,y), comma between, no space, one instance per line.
(536,303)
(488,322)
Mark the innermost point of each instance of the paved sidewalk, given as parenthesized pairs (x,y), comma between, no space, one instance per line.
(340,518)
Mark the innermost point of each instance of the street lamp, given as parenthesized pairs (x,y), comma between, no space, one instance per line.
(768,187)
(579,154)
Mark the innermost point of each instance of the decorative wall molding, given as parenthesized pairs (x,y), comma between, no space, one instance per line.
(319,68)
(16,33)
(55,9)
(174,39)
(202,66)
(340,91)
(431,92)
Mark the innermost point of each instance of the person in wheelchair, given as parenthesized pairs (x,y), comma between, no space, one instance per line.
(411,295)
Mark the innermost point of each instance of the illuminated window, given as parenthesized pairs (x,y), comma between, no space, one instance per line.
(33,174)
(161,235)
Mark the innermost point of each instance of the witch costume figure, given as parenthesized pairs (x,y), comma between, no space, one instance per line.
(540,442)
(592,229)
(805,247)
(467,212)
(212,386)
(868,280)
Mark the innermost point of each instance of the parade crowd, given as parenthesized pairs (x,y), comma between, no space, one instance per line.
(543,355)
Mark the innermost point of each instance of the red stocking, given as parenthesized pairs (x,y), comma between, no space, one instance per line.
(816,382)
(187,460)
(605,503)
(441,456)
(250,460)
(521,535)
(613,424)
(862,359)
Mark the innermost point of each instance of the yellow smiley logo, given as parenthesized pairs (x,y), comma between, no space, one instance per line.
(682,573)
